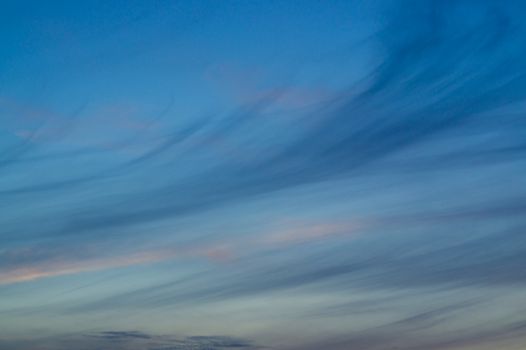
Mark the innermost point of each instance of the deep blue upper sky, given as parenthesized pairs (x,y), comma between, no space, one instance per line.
(245,174)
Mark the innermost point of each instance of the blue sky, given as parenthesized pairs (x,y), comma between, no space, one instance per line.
(262,174)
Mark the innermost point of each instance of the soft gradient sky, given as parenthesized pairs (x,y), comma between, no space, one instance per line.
(262,174)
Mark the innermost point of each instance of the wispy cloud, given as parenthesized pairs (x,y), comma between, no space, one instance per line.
(36,263)
(407,180)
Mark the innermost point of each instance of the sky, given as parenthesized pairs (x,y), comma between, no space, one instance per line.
(291,175)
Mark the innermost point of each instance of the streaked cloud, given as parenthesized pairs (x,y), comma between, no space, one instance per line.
(305,176)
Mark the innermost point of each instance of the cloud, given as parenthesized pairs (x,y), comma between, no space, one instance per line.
(300,233)
(131,340)
(121,335)
(510,335)
(52,269)
(403,261)
(430,82)
(39,262)
(36,262)
(426,154)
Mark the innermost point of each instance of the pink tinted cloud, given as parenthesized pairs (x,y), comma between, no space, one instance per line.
(61,265)
(248,85)
(58,264)
(306,232)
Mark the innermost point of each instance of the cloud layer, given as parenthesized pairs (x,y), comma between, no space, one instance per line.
(359,186)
